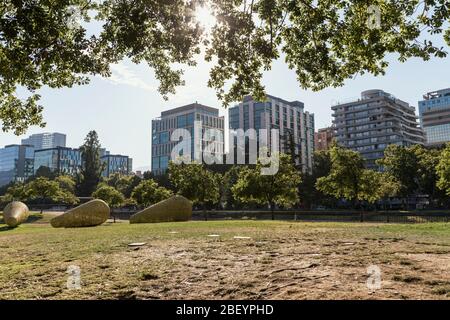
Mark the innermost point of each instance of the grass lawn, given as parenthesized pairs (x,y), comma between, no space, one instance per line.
(281,260)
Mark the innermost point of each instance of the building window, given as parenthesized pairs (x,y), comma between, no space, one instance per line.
(164,162)
(164,137)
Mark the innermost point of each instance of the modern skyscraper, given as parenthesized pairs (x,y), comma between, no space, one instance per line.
(46,140)
(59,160)
(16,163)
(434,111)
(116,164)
(323,138)
(294,124)
(184,117)
(371,123)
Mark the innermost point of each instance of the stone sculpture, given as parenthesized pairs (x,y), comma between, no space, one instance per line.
(176,208)
(89,214)
(15,213)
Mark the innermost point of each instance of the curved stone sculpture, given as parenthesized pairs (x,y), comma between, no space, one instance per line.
(176,208)
(89,214)
(15,213)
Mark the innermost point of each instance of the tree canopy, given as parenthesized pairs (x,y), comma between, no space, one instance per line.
(278,189)
(122,183)
(443,170)
(348,177)
(46,43)
(195,182)
(44,190)
(110,195)
(91,165)
(403,165)
(147,192)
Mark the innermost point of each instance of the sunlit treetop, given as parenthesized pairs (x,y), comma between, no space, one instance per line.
(45,43)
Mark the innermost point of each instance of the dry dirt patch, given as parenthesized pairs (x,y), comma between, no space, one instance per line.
(179,261)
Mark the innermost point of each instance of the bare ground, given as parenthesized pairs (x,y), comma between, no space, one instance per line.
(281,260)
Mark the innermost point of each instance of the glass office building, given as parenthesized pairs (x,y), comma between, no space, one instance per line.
(276,113)
(184,117)
(16,163)
(46,140)
(60,160)
(116,164)
(434,111)
(371,123)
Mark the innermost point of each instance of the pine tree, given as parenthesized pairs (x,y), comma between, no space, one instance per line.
(91,165)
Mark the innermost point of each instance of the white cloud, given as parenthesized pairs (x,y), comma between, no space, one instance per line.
(123,75)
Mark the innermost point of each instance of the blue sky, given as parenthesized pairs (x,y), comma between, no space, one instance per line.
(121,108)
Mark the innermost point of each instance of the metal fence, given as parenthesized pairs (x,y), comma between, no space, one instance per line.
(330,216)
(420,216)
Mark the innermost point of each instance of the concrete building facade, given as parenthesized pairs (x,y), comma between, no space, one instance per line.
(371,123)
(295,125)
(46,140)
(323,139)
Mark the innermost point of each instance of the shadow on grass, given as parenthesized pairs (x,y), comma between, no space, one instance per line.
(6,228)
(34,218)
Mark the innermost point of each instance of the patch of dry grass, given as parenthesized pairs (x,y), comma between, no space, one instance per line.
(281,260)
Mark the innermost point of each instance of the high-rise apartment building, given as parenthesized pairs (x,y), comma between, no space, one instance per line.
(45,140)
(434,112)
(60,160)
(116,164)
(185,117)
(371,123)
(16,163)
(323,138)
(295,125)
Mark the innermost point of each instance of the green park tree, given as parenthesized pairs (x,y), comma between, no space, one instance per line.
(230,178)
(383,186)
(91,165)
(377,186)
(15,192)
(148,175)
(44,190)
(46,43)
(427,176)
(110,195)
(196,183)
(125,184)
(403,165)
(148,192)
(45,172)
(443,170)
(348,179)
(161,179)
(66,183)
(309,194)
(271,190)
